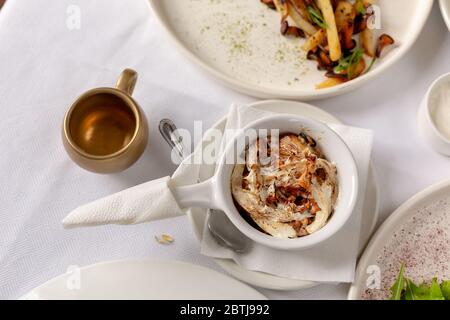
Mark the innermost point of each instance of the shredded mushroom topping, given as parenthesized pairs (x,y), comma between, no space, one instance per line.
(291,197)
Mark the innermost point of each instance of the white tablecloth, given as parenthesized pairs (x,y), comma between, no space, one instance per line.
(44,66)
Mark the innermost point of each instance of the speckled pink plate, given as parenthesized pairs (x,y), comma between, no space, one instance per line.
(417,234)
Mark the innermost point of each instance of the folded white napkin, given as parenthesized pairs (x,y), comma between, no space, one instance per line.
(146,202)
(334,261)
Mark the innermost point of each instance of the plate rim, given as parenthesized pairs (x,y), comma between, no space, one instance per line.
(102,264)
(394,220)
(445,10)
(238,272)
(261,92)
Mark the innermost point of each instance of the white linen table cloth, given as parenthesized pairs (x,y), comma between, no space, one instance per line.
(44,65)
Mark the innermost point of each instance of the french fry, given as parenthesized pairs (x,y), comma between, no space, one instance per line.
(345,15)
(282,8)
(368,42)
(300,21)
(332,34)
(367,35)
(357,69)
(314,41)
(330,82)
(302,8)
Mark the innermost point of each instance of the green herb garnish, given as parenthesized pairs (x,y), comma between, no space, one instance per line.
(398,287)
(445,287)
(404,289)
(317,18)
(347,63)
(361,8)
(371,65)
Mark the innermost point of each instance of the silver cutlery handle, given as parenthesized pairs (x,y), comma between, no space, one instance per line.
(170,133)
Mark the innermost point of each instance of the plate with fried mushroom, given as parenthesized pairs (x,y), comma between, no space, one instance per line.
(295,49)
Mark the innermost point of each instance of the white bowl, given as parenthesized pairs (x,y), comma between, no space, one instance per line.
(216,192)
(427,126)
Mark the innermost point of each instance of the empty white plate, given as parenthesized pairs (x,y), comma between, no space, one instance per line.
(144,280)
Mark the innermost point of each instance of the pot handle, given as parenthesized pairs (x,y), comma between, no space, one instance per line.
(200,195)
(127,81)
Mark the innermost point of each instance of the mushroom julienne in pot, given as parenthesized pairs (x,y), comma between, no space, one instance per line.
(289,197)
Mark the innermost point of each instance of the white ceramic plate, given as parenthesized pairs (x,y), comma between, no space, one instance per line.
(445,9)
(238,41)
(411,236)
(263,280)
(144,280)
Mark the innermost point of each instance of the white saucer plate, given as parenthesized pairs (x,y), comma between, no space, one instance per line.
(239,43)
(264,280)
(143,280)
(399,239)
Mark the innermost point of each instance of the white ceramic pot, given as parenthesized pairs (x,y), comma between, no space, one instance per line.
(433,137)
(216,192)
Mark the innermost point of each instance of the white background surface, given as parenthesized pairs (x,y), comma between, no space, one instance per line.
(44,66)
